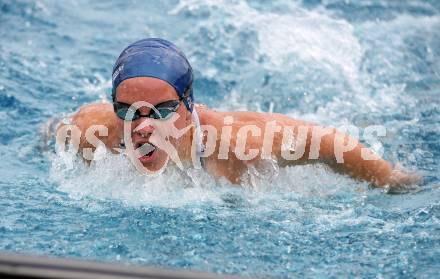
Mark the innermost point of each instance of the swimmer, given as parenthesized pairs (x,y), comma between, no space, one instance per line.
(154,71)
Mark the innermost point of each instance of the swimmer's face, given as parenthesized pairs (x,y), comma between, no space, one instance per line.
(154,91)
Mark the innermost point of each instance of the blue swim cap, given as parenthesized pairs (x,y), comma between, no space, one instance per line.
(156,58)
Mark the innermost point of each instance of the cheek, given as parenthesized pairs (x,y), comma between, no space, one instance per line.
(119,124)
(133,126)
(183,122)
(184,118)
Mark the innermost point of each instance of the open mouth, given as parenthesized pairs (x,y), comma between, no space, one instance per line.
(145,151)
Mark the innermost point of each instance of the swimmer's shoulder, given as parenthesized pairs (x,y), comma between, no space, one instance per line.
(95,108)
(94,114)
(211,116)
(98,115)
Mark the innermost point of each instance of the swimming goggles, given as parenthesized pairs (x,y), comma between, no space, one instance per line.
(163,110)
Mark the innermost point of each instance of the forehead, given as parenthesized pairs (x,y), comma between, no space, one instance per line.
(148,89)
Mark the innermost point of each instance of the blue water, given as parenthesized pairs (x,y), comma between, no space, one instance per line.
(334,62)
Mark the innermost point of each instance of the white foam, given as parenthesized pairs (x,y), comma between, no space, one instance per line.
(308,36)
(114,178)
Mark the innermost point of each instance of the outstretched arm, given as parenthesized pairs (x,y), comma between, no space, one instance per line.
(345,154)
(342,153)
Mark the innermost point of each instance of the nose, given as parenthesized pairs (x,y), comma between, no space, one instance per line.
(143,126)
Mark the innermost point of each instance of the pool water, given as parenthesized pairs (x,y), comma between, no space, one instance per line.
(333,62)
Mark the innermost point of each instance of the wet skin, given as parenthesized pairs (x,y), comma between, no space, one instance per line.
(378,172)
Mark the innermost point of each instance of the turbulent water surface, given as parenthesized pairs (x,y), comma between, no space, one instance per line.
(333,62)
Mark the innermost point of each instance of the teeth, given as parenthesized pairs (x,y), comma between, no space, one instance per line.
(146,148)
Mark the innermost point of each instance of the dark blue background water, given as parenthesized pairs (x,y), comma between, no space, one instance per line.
(334,62)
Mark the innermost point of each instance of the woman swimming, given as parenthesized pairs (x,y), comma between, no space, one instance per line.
(154,115)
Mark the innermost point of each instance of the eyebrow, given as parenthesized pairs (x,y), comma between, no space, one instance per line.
(170,103)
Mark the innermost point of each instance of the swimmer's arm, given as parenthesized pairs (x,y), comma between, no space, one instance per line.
(97,118)
(346,155)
